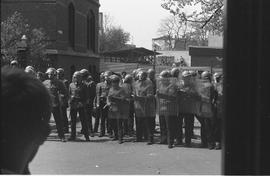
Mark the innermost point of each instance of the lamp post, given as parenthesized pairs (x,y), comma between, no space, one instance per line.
(154,63)
(22,51)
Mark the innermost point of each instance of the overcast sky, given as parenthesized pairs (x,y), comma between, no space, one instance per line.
(141,18)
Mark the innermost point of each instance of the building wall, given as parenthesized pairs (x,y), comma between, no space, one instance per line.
(206,61)
(52,15)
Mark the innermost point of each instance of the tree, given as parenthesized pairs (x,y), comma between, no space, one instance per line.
(112,37)
(208,13)
(174,29)
(12,29)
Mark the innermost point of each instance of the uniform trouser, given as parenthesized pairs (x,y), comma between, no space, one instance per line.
(179,128)
(163,129)
(217,129)
(203,130)
(83,119)
(65,118)
(209,128)
(130,120)
(145,127)
(171,128)
(97,119)
(188,126)
(89,111)
(120,128)
(114,127)
(58,120)
(105,122)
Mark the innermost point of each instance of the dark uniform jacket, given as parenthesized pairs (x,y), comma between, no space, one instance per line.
(56,89)
(91,87)
(102,91)
(78,95)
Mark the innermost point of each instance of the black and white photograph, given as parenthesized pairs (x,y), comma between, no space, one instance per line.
(135,87)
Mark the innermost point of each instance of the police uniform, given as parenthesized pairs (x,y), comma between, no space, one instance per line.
(168,109)
(129,123)
(144,103)
(78,98)
(56,88)
(102,90)
(118,105)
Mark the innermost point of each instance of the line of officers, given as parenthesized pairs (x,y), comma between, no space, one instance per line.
(119,101)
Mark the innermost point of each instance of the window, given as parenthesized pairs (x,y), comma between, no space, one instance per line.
(71,25)
(91,28)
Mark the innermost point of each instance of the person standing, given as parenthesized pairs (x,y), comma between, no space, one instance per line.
(168,106)
(56,88)
(64,98)
(129,123)
(144,108)
(91,87)
(188,90)
(117,101)
(102,91)
(78,98)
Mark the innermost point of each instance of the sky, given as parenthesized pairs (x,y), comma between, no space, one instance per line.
(141,18)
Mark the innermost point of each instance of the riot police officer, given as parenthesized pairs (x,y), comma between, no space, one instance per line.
(64,98)
(209,119)
(102,91)
(56,88)
(127,86)
(91,87)
(144,101)
(187,116)
(218,109)
(78,98)
(168,106)
(117,101)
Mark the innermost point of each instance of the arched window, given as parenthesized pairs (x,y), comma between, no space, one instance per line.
(71,25)
(91,28)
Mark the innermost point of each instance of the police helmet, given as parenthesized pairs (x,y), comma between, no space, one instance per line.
(115,78)
(84,72)
(165,74)
(217,75)
(128,78)
(14,62)
(185,73)
(77,74)
(192,73)
(142,74)
(151,71)
(206,75)
(51,71)
(60,71)
(29,67)
(175,72)
(107,73)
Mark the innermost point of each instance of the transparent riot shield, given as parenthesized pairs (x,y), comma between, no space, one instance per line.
(167,89)
(204,88)
(189,100)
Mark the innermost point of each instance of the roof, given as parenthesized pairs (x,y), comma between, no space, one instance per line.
(205,51)
(134,52)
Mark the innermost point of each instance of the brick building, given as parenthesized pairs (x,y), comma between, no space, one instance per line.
(206,56)
(72,26)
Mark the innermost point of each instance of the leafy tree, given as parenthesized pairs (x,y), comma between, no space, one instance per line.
(112,37)
(174,29)
(209,13)
(12,30)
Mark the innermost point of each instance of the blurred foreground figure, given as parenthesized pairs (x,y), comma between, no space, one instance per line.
(25,118)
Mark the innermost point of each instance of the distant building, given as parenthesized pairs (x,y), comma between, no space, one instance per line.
(72,26)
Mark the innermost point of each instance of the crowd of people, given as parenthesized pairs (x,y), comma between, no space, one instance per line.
(128,104)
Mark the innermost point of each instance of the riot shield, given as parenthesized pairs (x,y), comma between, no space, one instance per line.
(167,99)
(219,100)
(204,88)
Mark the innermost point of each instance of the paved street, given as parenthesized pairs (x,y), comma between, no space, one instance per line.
(102,156)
